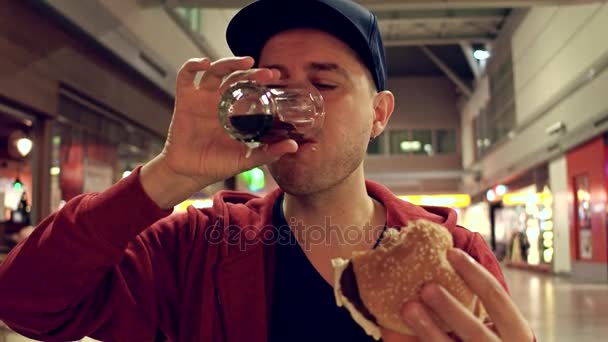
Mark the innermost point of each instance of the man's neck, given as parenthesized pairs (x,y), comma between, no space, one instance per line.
(345,206)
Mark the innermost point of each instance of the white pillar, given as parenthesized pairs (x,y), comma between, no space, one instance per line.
(558,181)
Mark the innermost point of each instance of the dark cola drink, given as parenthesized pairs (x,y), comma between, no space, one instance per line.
(253,125)
(256,115)
(263,128)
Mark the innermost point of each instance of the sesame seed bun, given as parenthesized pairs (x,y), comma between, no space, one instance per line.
(393,274)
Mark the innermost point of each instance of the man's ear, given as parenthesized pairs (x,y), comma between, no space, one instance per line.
(384,104)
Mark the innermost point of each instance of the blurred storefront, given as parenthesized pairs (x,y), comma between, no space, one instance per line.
(587,175)
(524,224)
(553,217)
(86,117)
(476,217)
(93,147)
(18,147)
(460,203)
(521,220)
(256,181)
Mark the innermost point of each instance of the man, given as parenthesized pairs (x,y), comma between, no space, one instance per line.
(116,267)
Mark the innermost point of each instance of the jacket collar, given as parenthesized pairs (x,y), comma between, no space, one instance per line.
(398,211)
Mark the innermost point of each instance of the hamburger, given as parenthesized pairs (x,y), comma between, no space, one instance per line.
(374,285)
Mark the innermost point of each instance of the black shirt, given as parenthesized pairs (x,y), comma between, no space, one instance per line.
(304,307)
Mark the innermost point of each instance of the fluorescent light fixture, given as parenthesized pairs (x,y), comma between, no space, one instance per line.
(481,55)
(55,171)
(408,146)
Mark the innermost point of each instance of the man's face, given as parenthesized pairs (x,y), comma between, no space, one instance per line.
(321,60)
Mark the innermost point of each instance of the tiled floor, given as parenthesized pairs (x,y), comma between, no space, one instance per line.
(559,309)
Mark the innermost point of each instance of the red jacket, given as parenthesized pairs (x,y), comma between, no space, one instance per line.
(116,267)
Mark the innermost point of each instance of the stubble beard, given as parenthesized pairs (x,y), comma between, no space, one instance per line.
(303,179)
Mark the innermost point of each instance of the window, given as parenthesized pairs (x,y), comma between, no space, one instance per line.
(422,142)
(483,137)
(92,147)
(497,120)
(446,141)
(191,18)
(375,146)
(504,123)
(400,142)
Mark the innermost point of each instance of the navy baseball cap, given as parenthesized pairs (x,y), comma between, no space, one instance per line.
(350,22)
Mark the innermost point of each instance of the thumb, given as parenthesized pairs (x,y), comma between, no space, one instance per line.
(270,153)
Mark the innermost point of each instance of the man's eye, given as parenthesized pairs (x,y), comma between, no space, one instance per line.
(323,86)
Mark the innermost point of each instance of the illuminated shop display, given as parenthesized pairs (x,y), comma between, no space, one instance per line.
(198,203)
(532,235)
(583,215)
(476,218)
(452,201)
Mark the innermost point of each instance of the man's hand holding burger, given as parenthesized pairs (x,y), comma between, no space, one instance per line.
(508,324)
(415,286)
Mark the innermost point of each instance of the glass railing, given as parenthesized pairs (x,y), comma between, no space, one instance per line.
(190,18)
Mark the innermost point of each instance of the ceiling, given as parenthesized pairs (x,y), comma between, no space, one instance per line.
(385,4)
(411,61)
(440,26)
(447,37)
(424,37)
